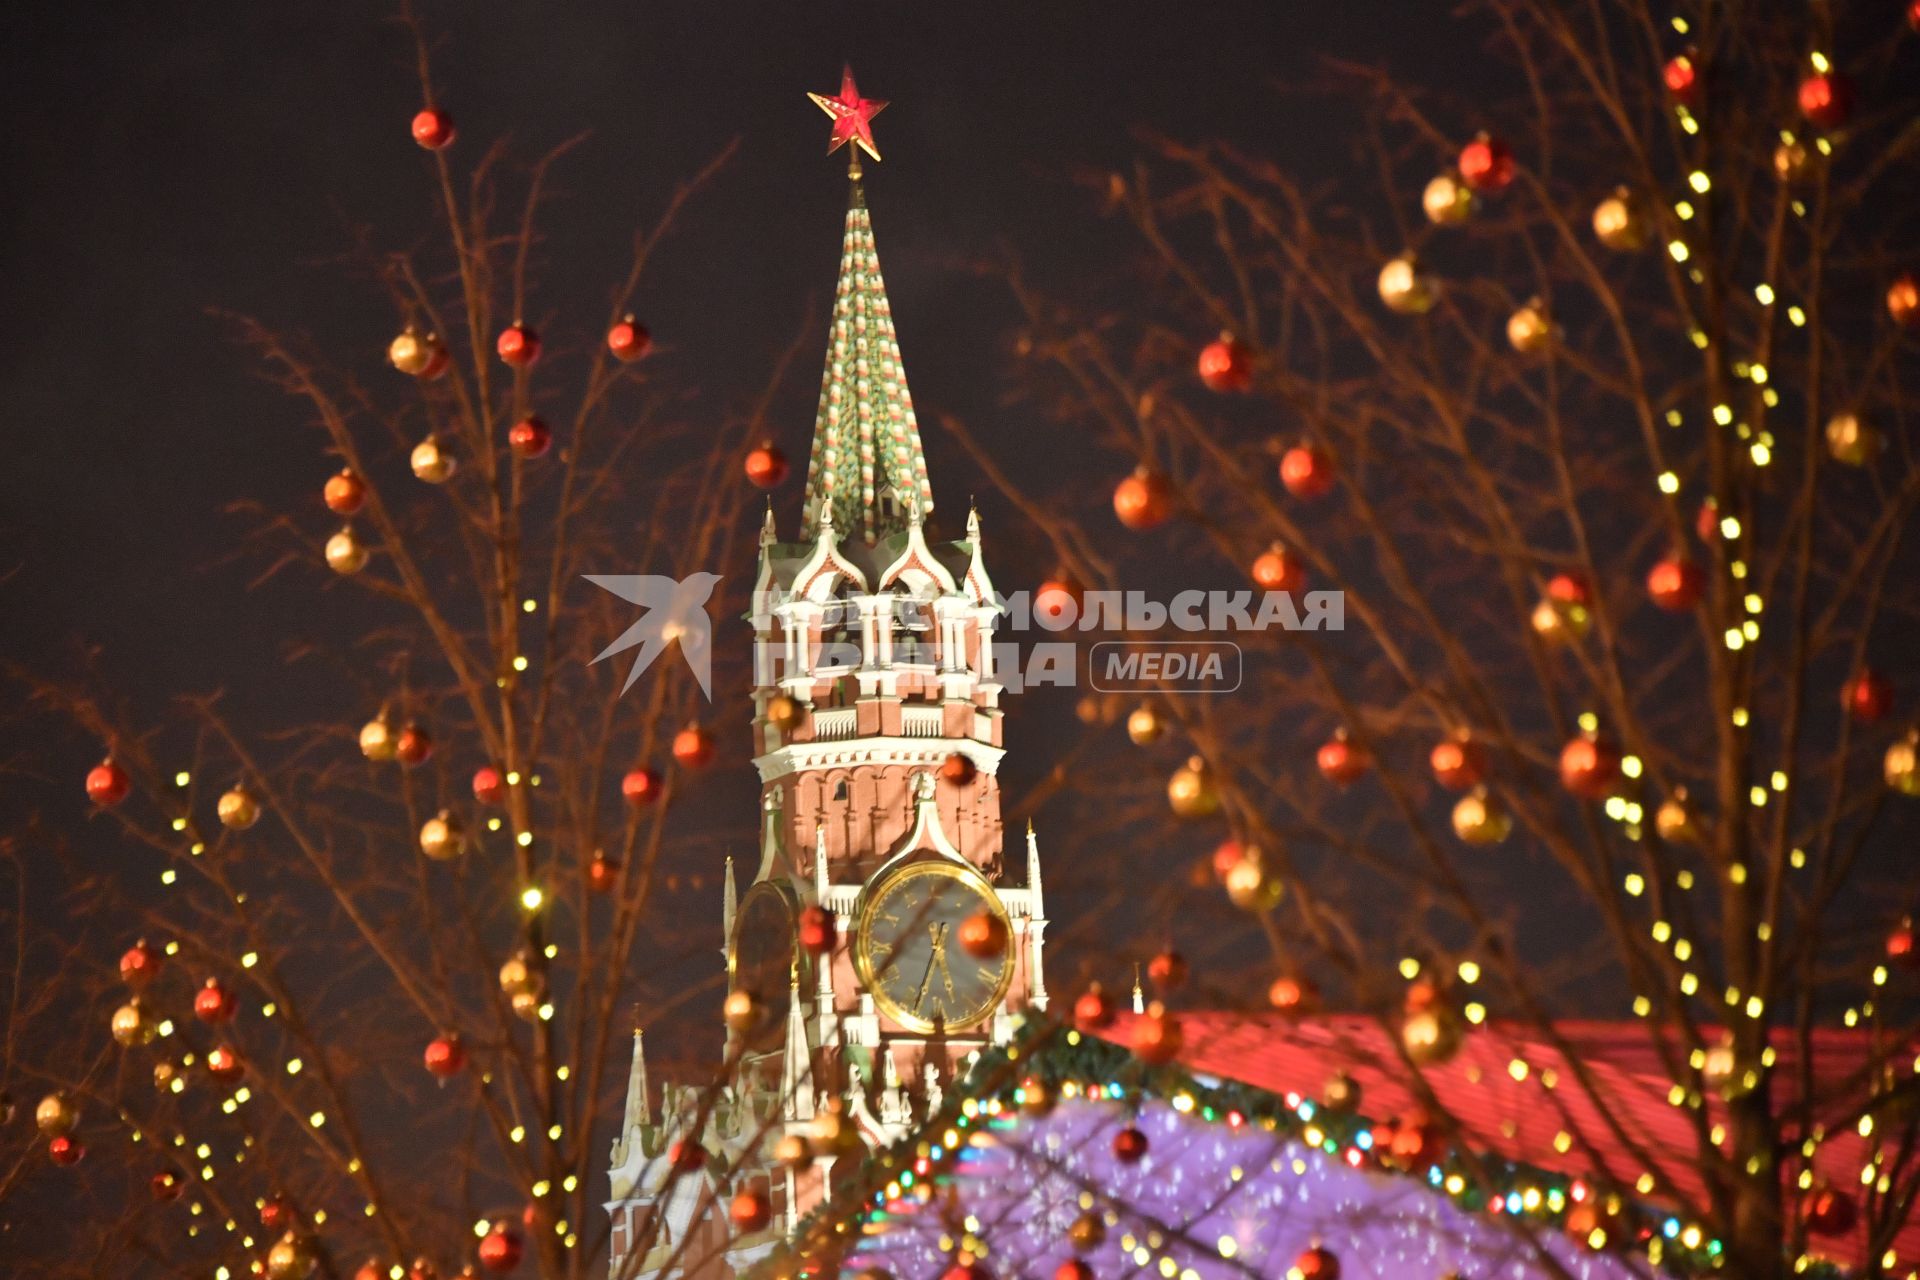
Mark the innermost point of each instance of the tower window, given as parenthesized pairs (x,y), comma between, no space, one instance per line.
(840,789)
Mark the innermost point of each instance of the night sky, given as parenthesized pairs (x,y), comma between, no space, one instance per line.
(168,158)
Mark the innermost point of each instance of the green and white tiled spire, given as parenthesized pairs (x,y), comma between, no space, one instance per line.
(867,461)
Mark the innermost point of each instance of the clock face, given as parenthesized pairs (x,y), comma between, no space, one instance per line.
(908,953)
(761,958)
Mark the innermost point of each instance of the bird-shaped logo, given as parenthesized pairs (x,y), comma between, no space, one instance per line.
(676,613)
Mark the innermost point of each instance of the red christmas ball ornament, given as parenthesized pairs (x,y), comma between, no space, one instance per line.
(413,746)
(1226,365)
(1277,570)
(1316,1263)
(518,345)
(530,437)
(433,129)
(766,466)
(686,1156)
(1867,696)
(1073,1269)
(344,493)
(1129,1145)
(1227,855)
(1706,522)
(1829,1211)
(1903,301)
(1589,766)
(1459,763)
(629,340)
(1142,500)
(1057,601)
(1676,584)
(1168,971)
(1342,762)
(213,1004)
(602,873)
(1486,165)
(959,769)
(276,1214)
(983,935)
(445,1056)
(1156,1037)
(971,1269)
(489,786)
(693,747)
(108,784)
(1306,471)
(224,1063)
(370,1270)
(166,1186)
(1292,996)
(818,932)
(1682,78)
(1901,945)
(1826,99)
(641,787)
(1093,1011)
(1913,14)
(501,1248)
(1570,590)
(140,965)
(751,1210)
(65,1150)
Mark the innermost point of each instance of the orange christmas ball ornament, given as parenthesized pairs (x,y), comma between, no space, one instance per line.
(445,1056)
(433,129)
(983,935)
(959,769)
(1342,762)
(1903,301)
(1143,500)
(1826,99)
(1156,1037)
(1292,996)
(603,873)
(628,340)
(693,747)
(751,1210)
(1073,1269)
(530,437)
(818,929)
(1167,971)
(1056,602)
(1676,584)
(1275,569)
(1458,762)
(641,787)
(344,493)
(1306,471)
(1093,1011)
(1901,945)
(685,1155)
(518,345)
(1589,766)
(1486,164)
(108,784)
(766,466)
(1226,365)
(501,1248)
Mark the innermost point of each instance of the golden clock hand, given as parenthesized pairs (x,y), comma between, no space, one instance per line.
(938,931)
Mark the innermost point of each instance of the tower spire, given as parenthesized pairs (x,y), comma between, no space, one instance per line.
(866,466)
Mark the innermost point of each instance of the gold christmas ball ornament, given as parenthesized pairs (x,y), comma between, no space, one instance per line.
(290,1259)
(1447,200)
(164,1073)
(1145,725)
(526,1005)
(1405,288)
(1251,886)
(1851,439)
(1481,817)
(783,713)
(133,1026)
(1190,791)
(1621,223)
(793,1152)
(55,1115)
(1674,819)
(1561,621)
(238,809)
(742,1011)
(1529,330)
(1087,1232)
(432,463)
(517,976)
(413,352)
(376,739)
(1791,160)
(442,837)
(1902,764)
(346,554)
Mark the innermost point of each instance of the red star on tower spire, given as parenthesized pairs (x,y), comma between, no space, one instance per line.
(852,115)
